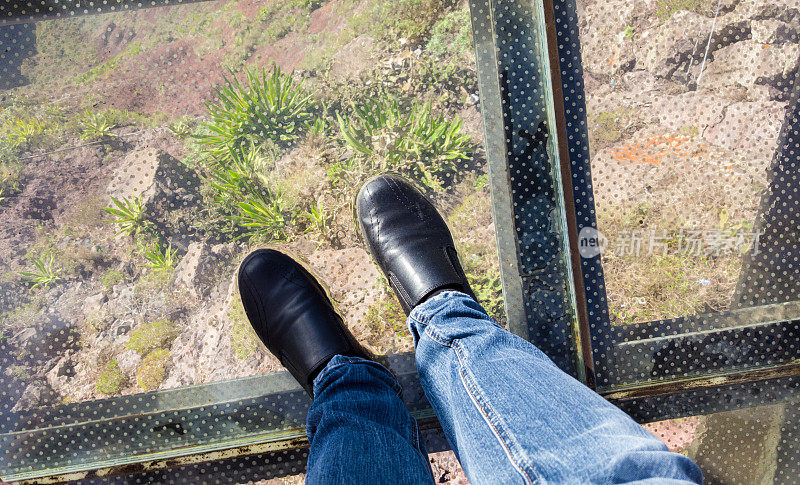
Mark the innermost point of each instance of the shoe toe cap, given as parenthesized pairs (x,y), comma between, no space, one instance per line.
(264,264)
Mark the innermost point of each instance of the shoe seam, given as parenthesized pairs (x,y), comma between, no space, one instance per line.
(485,411)
(396,190)
(402,291)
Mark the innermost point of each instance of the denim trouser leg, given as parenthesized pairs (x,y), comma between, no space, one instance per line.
(359,429)
(513,417)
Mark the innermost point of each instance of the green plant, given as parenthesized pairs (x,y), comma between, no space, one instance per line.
(153,369)
(489,291)
(265,107)
(242,197)
(481,181)
(665,8)
(24,131)
(103,69)
(317,127)
(387,313)
(263,215)
(151,336)
(182,127)
(629,33)
(161,259)
(44,274)
(112,277)
(318,218)
(97,126)
(129,213)
(452,35)
(111,380)
(413,141)
(409,19)
(11,171)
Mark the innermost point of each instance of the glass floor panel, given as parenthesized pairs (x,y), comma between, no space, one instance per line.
(620,177)
(146,152)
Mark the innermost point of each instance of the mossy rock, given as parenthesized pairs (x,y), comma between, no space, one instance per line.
(151,336)
(153,369)
(112,380)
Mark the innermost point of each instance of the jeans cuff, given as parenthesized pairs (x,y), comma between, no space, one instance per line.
(337,360)
(425,310)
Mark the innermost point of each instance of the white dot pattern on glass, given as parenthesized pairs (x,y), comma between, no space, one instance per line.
(123,213)
(123,334)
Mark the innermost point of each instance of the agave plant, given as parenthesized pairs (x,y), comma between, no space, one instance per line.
(263,215)
(44,273)
(24,131)
(129,215)
(413,141)
(161,259)
(242,195)
(97,126)
(266,106)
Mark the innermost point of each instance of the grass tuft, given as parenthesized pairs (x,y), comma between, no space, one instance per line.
(265,107)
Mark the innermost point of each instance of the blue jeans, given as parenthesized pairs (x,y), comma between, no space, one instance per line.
(509,413)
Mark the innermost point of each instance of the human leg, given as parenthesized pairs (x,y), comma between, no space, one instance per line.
(358,426)
(513,416)
(510,414)
(359,429)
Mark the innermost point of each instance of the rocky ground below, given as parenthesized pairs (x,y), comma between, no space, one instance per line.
(685,100)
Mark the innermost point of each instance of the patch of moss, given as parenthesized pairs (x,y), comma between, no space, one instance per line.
(153,369)
(112,380)
(605,128)
(452,35)
(244,338)
(665,8)
(387,314)
(24,315)
(151,337)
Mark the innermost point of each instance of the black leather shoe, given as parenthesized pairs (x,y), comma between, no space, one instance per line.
(409,240)
(292,315)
